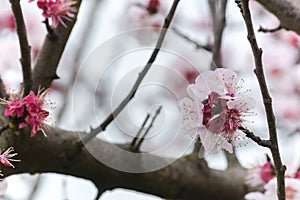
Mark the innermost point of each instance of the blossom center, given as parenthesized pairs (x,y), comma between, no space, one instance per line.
(217,117)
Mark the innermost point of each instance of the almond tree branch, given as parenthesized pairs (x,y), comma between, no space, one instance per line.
(189,39)
(24,46)
(44,71)
(185,179)
(93,133)
(259,72)
(288,12)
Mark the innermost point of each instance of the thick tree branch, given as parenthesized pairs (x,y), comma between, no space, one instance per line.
(259,72)
(288,12)
(24,46)
(44,71)
(183,179)
(140,78)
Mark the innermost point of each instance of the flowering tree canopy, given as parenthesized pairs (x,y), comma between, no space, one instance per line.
(186,100)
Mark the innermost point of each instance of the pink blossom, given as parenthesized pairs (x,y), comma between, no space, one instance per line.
(27,111)
(57,10)
(261,174)
(14,107)
(215,109)
(292,190)
(6,157)
(36,121)
(36,115)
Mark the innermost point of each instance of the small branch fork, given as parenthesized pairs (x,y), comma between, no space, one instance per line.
(137,141)
(24,46)
(133,143)
(93,133)
(272,143)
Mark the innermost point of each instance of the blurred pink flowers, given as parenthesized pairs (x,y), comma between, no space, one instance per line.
(57,10)
(27,111)
(261,174)
(292,191)
(215,109)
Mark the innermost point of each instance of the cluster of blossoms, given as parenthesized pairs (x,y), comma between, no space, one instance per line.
(56,10)
(264,176)
(215,109)
(27,111)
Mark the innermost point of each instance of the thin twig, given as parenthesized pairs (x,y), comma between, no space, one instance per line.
(139,132)
(266,30)
(259,72)
(257,139)
(218,12)
(141,76)
(189,39)
(24,46)
(140,142)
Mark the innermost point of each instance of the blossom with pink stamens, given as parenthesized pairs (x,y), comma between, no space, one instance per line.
(57,10)
(215,109)
(36,115)
(27,111)
(14,107)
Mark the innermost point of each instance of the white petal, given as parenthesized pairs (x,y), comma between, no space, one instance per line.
(228,77)
(211,80)
(191,116)
(209,142)
(227,146)
(255,196)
